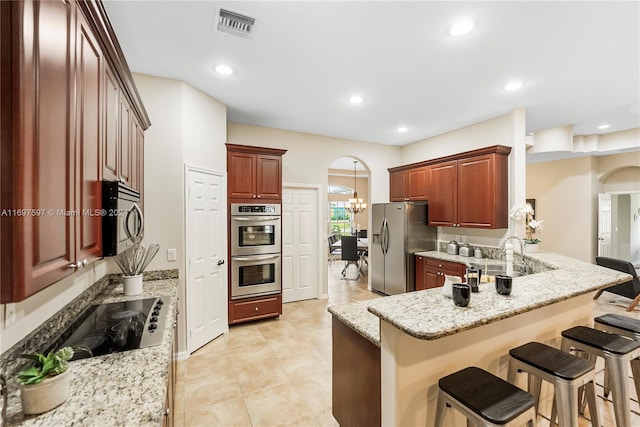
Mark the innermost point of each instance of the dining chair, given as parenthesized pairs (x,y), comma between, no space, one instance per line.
(334,252)
(630,289)
(349,247)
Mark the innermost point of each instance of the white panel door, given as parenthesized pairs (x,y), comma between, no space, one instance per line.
(300,269)
(206,288)
(604,224)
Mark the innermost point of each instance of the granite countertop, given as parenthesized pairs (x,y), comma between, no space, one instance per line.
(358,318)
(127,388)
(429,315)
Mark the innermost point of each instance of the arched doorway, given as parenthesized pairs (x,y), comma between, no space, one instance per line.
(346,175)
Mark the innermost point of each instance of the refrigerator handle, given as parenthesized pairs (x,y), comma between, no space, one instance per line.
(382,235)
(386,236)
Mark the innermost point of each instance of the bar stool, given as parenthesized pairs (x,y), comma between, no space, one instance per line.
(620,325)
(485,399)
(627,327)
(617,353)
(566,372)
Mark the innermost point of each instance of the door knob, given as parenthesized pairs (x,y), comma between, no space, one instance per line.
(220,261)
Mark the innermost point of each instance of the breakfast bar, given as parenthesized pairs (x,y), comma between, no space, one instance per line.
(423,336)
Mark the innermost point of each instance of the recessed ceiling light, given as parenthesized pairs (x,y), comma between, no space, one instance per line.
(356,99)
(402,129)
(604,126)
(461,28)
(514,85)
(225,70)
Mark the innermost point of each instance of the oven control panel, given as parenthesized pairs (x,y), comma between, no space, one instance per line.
(249,209)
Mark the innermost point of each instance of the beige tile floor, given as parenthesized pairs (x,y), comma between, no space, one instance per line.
(278,372)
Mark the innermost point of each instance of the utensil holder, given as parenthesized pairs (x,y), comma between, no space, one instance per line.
(132,284)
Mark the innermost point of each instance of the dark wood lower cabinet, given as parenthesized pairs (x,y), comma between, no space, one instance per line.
(356,386)
(435,269)
(248,309)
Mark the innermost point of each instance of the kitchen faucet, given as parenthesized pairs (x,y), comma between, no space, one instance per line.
(523,265)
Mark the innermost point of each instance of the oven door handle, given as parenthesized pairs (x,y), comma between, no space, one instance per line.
(255,258)
(255,218)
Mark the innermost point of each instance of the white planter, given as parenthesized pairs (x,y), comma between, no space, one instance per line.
(43,397)
(531,247)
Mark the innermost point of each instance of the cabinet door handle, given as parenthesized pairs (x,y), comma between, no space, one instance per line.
(259,196)
(256,308)
(77,265)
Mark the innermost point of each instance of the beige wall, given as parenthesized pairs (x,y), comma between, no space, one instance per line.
(188,128)
(566,193)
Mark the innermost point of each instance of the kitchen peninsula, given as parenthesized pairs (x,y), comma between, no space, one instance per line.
(422,336)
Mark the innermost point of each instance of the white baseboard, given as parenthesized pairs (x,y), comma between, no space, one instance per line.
(183,355)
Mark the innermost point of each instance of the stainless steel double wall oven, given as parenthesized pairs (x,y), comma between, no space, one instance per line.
(255,249)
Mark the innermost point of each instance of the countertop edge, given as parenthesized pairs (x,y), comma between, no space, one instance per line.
(552,260)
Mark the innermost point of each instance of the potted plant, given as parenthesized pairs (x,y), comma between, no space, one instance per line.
(519,213)
(46,383)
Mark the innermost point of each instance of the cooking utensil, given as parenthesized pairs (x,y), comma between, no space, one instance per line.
(152,250)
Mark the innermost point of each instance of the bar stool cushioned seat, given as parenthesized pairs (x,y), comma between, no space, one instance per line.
(567,373)
(484,398)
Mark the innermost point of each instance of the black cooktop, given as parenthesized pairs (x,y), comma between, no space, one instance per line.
(115,327)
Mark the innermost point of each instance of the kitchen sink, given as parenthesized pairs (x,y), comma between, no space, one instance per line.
(496,266)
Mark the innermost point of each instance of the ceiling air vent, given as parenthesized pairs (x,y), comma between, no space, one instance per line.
(235,23)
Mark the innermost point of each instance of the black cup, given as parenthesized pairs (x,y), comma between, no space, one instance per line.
(473,278)
(503,284)
(461,294)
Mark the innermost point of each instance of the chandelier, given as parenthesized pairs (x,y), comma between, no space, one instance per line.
(355,205)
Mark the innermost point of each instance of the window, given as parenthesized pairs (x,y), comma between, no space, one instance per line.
(338,189)
(339,218)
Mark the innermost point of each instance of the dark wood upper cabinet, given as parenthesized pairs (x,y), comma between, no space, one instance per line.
(443,195)
(254,173)
(111,127)
(88,144)
(470,192)
(483,192)
(269,177)
(36,150)
(398,186)
(59,132)
(468,189)
(409,185)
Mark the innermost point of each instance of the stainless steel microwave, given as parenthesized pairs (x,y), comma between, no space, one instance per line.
(122,219)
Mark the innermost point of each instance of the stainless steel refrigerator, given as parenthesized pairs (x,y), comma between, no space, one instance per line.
(398,231)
